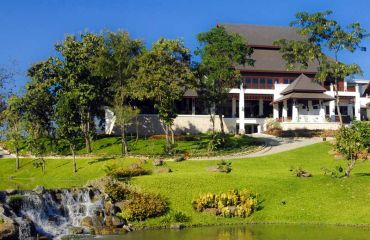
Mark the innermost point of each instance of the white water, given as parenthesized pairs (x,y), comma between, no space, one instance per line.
(54,212)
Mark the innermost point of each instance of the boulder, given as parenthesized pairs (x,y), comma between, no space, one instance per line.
(87,222)
(98,221)
(8,230)
(177,226)
(39,190)
(117,221)
(158,162)
(75,230)
(162,170)
(108,208)
(11,191)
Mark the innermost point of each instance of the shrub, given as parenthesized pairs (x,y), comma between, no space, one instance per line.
(117,191)
(176,217)
(224,166)
(228,204)
(125,173)
(337,172)
(299,172)
(141,206)
(1,220)
(272,124)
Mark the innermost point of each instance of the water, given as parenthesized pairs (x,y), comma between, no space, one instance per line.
(252,232)
(53,212)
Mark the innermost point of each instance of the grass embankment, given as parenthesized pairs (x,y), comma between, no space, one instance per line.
(319,199)
(192,145)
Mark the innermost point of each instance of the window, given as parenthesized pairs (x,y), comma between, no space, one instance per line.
(255,82)
(269,83)
(327,110)
(343,110)
(262,83)
(248,83)
(286,81)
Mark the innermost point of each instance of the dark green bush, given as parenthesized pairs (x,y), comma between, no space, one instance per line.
(117,191)
(224,166)
(141,206)
(176,217)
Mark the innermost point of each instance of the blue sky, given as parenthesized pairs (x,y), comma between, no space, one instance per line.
(30,28)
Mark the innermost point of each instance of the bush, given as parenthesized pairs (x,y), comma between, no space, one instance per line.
(176,217)
(272,124)
(125,173)
(337,172)
(224,166)
(141,206)
(299,172)
(117,191)
(230,204)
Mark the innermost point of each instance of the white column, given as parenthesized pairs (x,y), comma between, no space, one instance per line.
(332,110)
(331,87)
(276,111)
(357,103)
(260,107)
(310,107)
(233,107)
(322,111)
(294,111)
(285,110)
(193,106)
(241,110)
(345,85)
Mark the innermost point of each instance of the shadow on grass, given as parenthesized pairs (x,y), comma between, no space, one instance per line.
(362,174)
(102,159)
(61,165)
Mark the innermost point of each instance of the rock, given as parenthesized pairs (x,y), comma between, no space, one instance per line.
(158,162)
(39,190)
(8,230)
(162,170)
(127,228)
(98,221)
(108,221)
(75,230)
(87,222)
(306,174)
(108,208)
(177,226)
(117,221)
(11,191)
(143,161)
(133,166)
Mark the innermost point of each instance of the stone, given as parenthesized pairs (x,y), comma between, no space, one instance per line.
(128,228)
(177,226)
(133,166)
(108,221)
(11,191)
(87,222)
(98,221)
(108,208)
(8,230)
(158,162)
(162,170)
(117,221)
(39,190)
(75,230)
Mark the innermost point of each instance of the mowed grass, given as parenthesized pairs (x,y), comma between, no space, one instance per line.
(286,199)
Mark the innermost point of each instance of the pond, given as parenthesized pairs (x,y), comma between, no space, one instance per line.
(253,232)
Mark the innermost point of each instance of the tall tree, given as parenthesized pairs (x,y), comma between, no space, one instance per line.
(39,108)
(220,52)
(77,76)
(321,34)
(163,76)
(116,64)
(14,127)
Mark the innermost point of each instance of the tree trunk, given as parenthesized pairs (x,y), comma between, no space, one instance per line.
(350,167)
(167,139)
(212,115)
(137,129)
(222,129)
(74,160)
(172,136)
(43,165)
(123,141)
(337,102)
(16,159)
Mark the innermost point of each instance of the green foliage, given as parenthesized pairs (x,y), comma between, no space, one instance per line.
(116,191)
(300,172)
(176,217)
(337,172)
(163,76)
(224,166)
(220,51)
(125,173)
(234,203)
(141,206)
(15,201)
(1,220)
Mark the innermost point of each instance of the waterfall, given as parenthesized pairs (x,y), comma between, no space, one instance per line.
(52,212)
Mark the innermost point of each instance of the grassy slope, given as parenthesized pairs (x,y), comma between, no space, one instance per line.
(320,199)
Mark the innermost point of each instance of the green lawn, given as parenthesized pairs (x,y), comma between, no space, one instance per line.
(319,199)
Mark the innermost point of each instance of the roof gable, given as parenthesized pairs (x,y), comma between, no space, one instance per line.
(303,84)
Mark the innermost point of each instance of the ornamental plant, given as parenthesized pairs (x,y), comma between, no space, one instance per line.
(235,203)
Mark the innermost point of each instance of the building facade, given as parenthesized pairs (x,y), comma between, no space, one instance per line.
(267,90)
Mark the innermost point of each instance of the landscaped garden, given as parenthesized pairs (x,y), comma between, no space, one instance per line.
(284,197)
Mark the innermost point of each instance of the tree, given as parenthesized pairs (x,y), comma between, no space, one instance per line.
(352,141)
(76,75)
(321,34)
(39,104)
(116,63)
(220,52)
(163,76)
(13,121)
(68,120)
